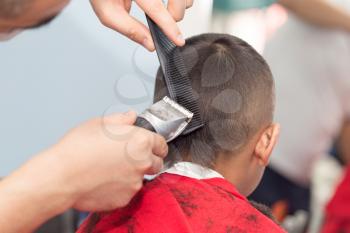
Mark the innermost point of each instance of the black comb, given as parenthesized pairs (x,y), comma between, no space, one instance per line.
(175,75)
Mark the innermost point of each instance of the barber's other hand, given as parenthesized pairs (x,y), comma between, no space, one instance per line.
(105,159)
(115,15)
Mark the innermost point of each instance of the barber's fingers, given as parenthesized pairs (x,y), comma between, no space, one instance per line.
(127,118)
(157,165)
(159,151)
(157,11)
(127,4)
(159,147)
(146,151)
(114,14)
(144,143)
(177,9)
(133,29)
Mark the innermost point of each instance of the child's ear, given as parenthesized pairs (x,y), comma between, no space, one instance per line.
(266,143)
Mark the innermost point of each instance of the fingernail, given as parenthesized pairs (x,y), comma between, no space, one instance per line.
(181,39)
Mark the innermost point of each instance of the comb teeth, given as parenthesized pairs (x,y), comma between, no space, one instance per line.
(175,75)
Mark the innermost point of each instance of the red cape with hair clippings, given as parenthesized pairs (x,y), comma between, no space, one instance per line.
(178,204)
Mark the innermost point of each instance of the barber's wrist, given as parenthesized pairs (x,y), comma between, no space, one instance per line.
(36,190)
(55,182)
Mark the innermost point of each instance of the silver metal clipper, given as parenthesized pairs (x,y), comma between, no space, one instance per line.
(166,117)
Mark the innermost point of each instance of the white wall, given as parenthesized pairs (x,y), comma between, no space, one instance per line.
(53,78)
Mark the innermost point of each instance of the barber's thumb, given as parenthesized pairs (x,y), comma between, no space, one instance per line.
(126,118)
(157,165)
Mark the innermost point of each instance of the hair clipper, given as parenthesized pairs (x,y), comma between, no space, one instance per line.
(165,117)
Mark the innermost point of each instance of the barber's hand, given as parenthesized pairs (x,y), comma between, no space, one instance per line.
(105,160)
(97,166)
(115,15)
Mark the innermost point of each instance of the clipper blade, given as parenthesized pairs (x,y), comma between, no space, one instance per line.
(177,106)
(165,117)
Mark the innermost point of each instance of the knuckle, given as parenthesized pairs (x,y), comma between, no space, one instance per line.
(143,142)
(105,22)
(144,164)
(178,17)
(132,34)
(148,163)
(189,4)
(105,19)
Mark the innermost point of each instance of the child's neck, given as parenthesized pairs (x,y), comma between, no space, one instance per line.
(231,169)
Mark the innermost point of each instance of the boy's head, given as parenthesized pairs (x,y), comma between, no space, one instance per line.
(235,90)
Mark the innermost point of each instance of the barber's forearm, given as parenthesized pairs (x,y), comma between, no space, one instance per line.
(28,197)
(319,12)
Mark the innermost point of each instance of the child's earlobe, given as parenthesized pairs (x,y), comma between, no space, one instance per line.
(260,149)
(266,143)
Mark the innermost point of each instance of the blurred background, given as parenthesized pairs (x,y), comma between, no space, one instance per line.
(55,77)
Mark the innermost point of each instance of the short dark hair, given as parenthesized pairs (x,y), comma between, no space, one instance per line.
(235,90)
(13,8)
(265,210)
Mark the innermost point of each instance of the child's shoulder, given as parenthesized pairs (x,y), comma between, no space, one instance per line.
(217,202)
(172,204)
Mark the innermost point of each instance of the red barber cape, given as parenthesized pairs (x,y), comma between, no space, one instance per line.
(338,209)
(178,204)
